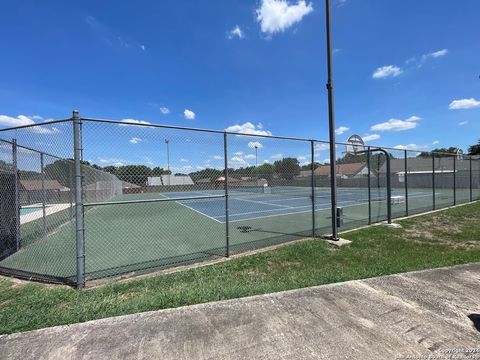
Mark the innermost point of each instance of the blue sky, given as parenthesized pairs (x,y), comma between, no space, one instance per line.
(406,72)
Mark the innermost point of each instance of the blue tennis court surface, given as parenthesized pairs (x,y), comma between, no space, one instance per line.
(247,206)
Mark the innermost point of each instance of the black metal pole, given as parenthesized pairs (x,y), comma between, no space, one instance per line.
(455,180)
(312,149)
(433,180)
(471,180)
(227,222)
(405,178)
(389,189)
(331,123)
(79,220)
(369,188)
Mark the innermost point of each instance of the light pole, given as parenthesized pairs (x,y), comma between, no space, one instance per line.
(167,142)
(331,123)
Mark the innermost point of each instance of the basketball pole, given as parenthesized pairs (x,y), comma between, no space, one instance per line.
(331,124)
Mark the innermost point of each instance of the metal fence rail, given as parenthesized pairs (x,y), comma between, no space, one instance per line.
(89,198)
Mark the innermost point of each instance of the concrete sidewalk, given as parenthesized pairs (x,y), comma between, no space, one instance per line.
(419,313)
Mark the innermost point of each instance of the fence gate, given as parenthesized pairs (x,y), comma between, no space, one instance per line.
(9,216)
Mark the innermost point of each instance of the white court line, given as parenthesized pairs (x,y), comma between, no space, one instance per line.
(292,213)
(263,202)
(270,210)
(197,211)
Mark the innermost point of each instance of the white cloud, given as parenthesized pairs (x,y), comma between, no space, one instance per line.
(183,160)
(238,153)
(301,158)
(142,47)
(326,161)
(134,122)
(386,71)
(249,156)
(217,157)
(340,3)
(189,114)
(134,140)
(435,142)
(236,32)
(411,147)
(341,130)
(464,104)
(164,110)
(238,161)
(321,147)
(23,120)
(255,144)
(276,156)
(278,15)
(248,128)
(266,161)
(371,137)
(436,54)
(461,123)
(397,125)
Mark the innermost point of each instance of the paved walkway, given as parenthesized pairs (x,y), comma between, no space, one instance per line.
(415,314)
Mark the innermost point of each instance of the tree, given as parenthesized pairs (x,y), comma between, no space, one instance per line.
(266,171)
(440,152)
(158,171)
(62,171)
(287,168)
(474,149)
(135,174)
(309,166)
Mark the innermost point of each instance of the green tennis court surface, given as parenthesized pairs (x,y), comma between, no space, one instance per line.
(129,237)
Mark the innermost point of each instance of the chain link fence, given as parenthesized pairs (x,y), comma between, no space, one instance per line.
(84,199)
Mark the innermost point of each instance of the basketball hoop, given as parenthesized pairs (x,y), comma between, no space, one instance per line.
(355,145)
(459,154)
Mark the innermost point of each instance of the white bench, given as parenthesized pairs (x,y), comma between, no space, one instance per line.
(398,199)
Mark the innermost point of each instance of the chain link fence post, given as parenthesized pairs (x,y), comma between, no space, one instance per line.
(455,180)
(44,195)
(471,179)
(312,149)
(17,193)
(405,178)
(433,180)
(79,221)
(369,175)
(227,223)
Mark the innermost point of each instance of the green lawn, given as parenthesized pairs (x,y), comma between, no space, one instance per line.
(444,238)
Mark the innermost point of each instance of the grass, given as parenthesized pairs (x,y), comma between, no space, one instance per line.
(449,237)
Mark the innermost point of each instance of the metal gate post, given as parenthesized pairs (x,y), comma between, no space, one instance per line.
(79,221)
(227,224)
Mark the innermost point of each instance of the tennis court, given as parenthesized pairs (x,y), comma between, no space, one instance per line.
(133,219)
(285,201)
